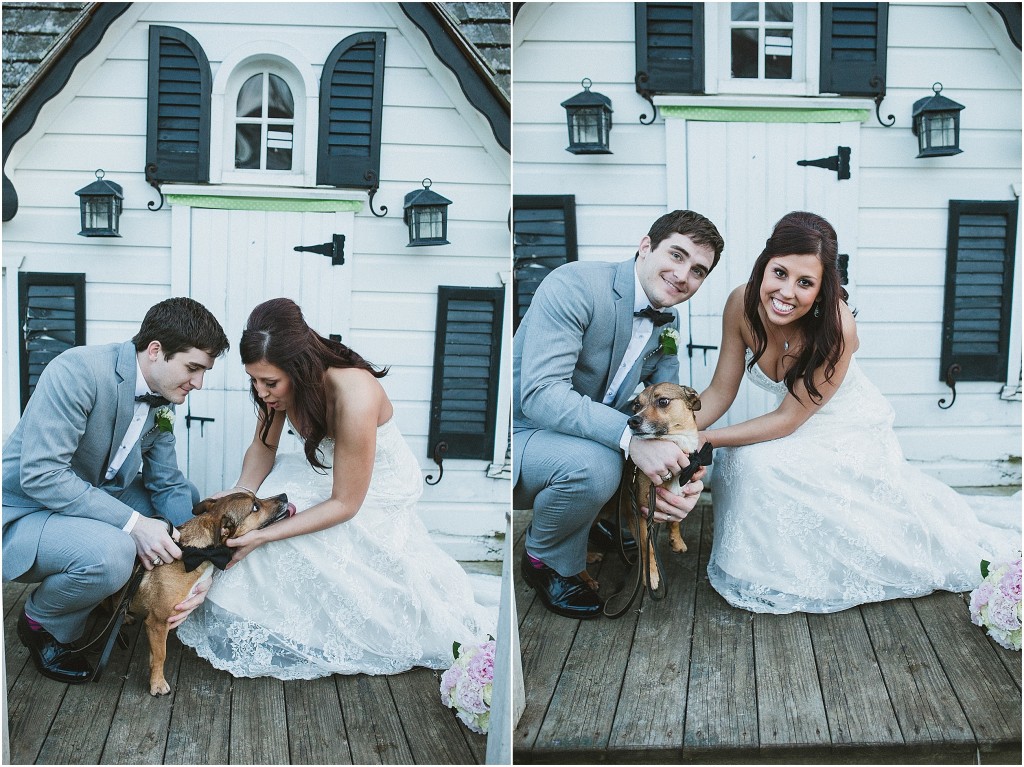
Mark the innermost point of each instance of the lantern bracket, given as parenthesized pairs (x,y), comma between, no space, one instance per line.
(153,182)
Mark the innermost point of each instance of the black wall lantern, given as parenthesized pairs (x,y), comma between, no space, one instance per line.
(426,215)
(589,117)
(101,207)
(936,123)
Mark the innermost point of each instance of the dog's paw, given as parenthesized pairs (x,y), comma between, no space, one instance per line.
(594,556)
(159,687)
(678,545)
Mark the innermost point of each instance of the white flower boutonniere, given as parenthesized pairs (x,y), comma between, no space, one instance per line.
(165,419)
(669,341)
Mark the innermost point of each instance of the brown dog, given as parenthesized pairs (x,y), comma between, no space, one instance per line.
(663,411)
(215,520)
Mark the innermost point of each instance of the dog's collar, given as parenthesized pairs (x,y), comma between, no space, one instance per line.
(193,556)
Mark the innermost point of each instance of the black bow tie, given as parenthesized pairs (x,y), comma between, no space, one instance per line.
(218,555)
(153,400)
(658,318)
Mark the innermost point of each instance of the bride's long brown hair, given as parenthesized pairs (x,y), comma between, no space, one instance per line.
(276,332)
(801,233)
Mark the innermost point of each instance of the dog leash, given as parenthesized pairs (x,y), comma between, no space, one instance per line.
(117,620)
(642,578)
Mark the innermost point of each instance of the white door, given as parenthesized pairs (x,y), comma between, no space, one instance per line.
(745,177)
(239,258)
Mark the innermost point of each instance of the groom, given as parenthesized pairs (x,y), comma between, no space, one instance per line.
(593,332)
(76,509)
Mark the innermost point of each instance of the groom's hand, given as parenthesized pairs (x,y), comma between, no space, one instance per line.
(657,457)
(670,507)
(152,542)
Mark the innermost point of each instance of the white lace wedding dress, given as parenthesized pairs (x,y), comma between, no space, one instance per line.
(373,595)
(833,516)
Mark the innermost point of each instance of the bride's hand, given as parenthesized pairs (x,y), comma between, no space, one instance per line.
(243,545)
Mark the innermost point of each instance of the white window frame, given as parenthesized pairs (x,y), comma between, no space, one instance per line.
(806,58)
(291,66)
(499,467)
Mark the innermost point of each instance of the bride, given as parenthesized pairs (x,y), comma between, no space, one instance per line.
(351,583)
(815,508)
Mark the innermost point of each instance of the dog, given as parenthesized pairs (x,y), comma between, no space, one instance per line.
(214,521)
(663,411)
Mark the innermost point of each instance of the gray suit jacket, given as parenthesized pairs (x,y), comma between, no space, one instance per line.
(56,459)
(567,349)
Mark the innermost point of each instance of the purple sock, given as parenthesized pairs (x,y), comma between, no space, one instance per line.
(534,562)
(34,625)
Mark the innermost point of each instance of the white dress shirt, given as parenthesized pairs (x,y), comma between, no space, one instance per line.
(131,436)
(642,330)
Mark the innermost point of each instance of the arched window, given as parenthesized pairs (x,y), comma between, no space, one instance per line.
(264,124)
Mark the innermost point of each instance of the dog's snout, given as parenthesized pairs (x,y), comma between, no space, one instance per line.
(634,421)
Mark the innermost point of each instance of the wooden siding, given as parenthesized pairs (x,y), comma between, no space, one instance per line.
(898,267)
(429,130)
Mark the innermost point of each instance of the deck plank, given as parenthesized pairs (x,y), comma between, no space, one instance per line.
(721,710)
(545,639)
(791,713)
(929,714)
(987,692)
(316,727)
(82,726)
(370,711)
(652,706)
(138,732)
(200,727)
(432,739)
(259,734)
(587,692)
(857,703)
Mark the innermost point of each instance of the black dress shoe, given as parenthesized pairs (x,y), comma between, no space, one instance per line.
(51,658)
(568,596)
(603,537)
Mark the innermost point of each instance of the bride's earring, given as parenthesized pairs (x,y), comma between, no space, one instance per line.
(817,309)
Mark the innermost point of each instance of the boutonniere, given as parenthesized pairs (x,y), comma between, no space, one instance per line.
(165,419)
(668,341)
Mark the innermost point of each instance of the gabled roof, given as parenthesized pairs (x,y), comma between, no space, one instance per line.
(43,42)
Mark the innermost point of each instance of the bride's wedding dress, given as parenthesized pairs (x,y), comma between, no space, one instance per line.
(833,516)
(373,595)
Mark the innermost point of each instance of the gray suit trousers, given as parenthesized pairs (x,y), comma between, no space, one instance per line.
(566,480)
(81,561)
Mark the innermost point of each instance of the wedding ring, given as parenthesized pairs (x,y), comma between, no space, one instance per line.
(667,475)
(157,561)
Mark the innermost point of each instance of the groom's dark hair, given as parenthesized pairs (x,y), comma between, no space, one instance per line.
(180,324)
(695,226)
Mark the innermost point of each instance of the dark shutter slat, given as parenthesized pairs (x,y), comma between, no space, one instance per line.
(467,354)
(178,110)
(351,102)
(853,48)
(669,47)
(979,289)
(51,319)
(544,237)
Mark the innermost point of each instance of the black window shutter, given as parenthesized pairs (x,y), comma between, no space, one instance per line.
(351,100)
(544,237)
(51,318)
(467,354)
(979,289)
(853,48)
(178,111)
(670,47)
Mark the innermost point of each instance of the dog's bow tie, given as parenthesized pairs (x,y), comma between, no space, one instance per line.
(153,400)
(658,318)
(192,556)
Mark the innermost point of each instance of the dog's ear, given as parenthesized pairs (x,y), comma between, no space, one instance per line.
(227,528)
(202,507)
(692,398)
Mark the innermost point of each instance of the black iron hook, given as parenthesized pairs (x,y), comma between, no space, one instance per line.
(439,451)
(951,373)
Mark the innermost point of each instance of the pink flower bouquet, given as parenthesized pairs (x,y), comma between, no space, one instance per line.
(995,604)
(467,685)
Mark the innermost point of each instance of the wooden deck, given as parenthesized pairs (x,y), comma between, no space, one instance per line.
(691,679)
(211,718)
